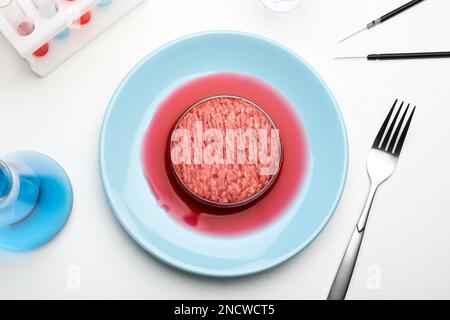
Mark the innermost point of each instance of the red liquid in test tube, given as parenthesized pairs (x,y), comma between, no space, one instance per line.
(25,28)
(85,18)
(18,20)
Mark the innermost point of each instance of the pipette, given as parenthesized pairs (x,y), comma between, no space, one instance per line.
(384,18)
(402,56)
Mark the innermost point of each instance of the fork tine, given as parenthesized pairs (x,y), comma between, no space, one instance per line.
(380,134)
(391,146)
(391,128)
(398,149)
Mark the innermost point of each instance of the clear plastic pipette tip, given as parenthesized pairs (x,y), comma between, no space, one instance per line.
(353,34)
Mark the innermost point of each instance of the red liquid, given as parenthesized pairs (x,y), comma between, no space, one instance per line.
(177,203)
(42,51)
(85,19)
(24,29)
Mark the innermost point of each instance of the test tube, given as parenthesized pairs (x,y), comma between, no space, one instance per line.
(17,18)
(46,8)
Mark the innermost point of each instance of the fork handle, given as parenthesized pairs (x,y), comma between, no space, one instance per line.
(345,271)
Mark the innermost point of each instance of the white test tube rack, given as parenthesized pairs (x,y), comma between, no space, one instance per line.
(66,19)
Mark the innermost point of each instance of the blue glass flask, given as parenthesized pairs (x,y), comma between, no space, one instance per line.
(35,200)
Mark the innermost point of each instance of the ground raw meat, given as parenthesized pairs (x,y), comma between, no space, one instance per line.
(225,183)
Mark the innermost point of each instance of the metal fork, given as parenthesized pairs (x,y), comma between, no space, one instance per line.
(381,164)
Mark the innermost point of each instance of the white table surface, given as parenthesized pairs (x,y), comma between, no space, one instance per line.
(406,251)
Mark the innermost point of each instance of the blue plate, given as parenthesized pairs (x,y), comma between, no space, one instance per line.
(129,115)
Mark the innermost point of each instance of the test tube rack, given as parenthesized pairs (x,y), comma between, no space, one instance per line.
(66,22)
